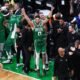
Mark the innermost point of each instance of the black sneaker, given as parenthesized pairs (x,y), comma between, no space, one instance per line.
(47,67)
(38,72)
(44,72)
(31,70)
(26,71)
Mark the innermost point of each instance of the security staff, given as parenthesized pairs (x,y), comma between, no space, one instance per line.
(61,68)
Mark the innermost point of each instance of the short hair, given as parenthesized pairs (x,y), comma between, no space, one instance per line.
(24,23)
(58,15)
(37,16)
(61,49)
(19,4)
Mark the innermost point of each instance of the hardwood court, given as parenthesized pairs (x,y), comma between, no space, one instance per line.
(8,75)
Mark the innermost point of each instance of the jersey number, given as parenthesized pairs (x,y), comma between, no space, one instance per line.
(39,33)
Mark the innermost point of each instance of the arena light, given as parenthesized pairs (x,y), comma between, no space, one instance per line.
(48,5)
(29,0)
(38,2)
(45,12)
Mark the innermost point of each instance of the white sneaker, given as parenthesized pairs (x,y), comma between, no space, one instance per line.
(7,62)
(47,67)
(36,69)
(19,64)
(3,58)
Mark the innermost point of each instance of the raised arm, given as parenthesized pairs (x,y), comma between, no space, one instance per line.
(49,16)
(71,7)
(27,18)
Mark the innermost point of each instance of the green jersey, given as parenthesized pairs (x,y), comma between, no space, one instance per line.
(1,21)
(39,32)
(19,17)
(14,19)
(39,37)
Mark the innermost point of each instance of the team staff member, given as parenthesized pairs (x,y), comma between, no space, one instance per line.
(74,59)
(61,68)
(18,46)
(26,43)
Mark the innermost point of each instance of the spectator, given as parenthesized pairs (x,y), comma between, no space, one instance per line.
(55,25)
(77,20)
(63,6)
(17,7)
(73,57)
(61,34)
(72,35)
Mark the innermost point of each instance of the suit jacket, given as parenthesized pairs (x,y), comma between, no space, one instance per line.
(18,12)
(27,38)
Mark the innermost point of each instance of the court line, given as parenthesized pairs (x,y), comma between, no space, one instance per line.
(21,74)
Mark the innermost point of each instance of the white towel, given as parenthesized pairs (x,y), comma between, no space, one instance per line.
(14,31)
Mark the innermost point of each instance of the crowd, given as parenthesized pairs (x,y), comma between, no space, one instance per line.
(55,36)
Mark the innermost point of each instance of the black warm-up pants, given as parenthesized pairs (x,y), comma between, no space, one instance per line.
(27,59)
